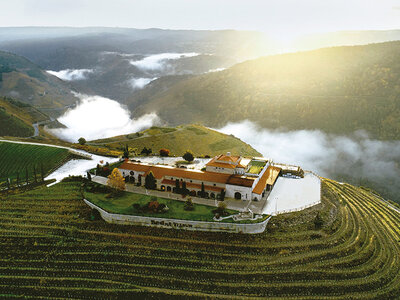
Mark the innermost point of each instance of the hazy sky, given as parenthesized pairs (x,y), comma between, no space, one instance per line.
(274,16)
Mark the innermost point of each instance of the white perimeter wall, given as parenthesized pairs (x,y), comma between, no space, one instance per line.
(180,224)
(293,194)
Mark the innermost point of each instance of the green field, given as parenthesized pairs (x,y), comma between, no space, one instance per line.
(123,205)
(16,158)
(50,248)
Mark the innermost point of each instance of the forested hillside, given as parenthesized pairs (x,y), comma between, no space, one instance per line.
(338,90)
(23,80)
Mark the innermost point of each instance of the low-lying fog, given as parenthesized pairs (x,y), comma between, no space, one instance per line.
(71,74)
(98,117)
(159,61)
(357,157)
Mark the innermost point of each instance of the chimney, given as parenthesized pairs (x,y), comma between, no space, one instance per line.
(228,154)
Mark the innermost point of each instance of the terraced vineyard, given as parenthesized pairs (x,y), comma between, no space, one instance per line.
(50,248)
(17,158)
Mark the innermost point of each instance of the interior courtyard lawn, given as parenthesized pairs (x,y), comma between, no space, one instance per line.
(124,205)
(256,167)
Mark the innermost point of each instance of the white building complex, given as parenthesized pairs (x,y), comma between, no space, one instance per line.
(224,176)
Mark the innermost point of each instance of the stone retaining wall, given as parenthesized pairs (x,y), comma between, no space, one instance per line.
(180,224)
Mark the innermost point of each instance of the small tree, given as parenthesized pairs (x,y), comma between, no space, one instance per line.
(222,195)
(184,190)
(164,152)
(150,181)
(221,207)
(188,156)
(318,221)
(146,151)
(203,192)
(17,178)
(188,204)
(26,175)
(177,186)
(126,152)
(82,141)
(115,180)
(41,171)
(34,173)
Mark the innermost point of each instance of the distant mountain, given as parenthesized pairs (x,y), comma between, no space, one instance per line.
(338,90)
(199,139)
(25,81)
(108,56)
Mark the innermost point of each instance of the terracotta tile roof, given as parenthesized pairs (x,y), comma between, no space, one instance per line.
(269,177)
(129,165)
(220,165)
(241,180)
(194,185)
(161,171)
(225,161)
(228,158)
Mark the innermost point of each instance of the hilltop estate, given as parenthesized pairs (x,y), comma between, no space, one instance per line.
(224,176)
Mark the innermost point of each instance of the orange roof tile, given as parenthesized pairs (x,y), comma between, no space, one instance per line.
(228,158)
(269,177)
(241,180)
(161,171)
(194,185)
(220,165)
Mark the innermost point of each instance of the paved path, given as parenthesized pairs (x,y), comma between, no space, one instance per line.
(76,151)
(36,126)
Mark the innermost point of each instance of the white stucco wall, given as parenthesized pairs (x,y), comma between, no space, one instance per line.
(232,189)
(180,224)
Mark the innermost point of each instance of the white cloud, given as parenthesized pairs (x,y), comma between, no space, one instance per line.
(139,83)
(158,61)
(215,70)
(97,117)
(71,74)
(355,156)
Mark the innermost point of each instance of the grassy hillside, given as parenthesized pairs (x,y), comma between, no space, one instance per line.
(338,90)
(13,126)
(23,80)
(49,248)
(16,118)
(17,158)
(199,139)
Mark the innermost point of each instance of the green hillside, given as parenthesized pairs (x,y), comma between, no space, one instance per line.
(23,80)
(16,118)
(199,139)
(338,90)
(16,159)
(13,126)
(49,248)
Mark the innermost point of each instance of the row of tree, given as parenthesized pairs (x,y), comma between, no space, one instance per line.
(38,175)
(188,155)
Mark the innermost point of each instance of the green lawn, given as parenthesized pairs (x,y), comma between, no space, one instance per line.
(255,167)
(123,205)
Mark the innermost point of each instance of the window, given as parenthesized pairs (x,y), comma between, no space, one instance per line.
(190,181)
(215,184)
